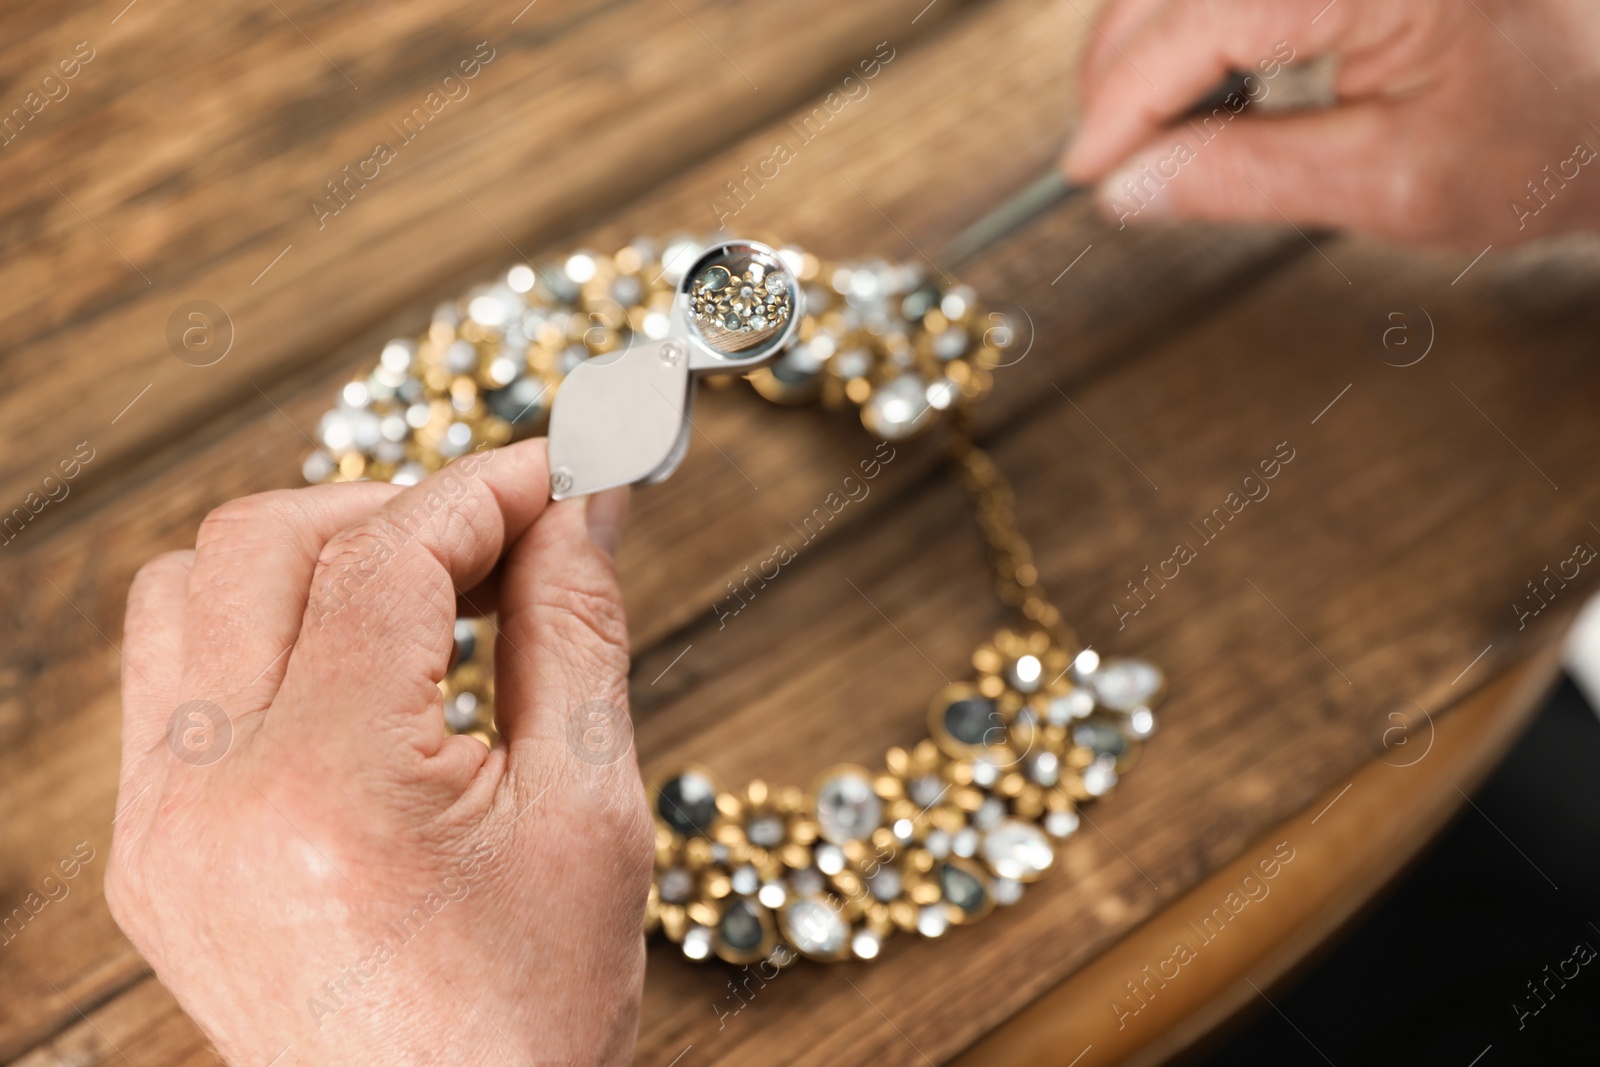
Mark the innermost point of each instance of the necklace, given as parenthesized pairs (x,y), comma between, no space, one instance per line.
(948,828)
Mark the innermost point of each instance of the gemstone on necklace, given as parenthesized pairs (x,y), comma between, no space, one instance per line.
(1141,723)
(847,807)
(676,885)
(815,928)
(1060,824)
(962,889)
(1073,704)
(1006,891)
(886,884)
(1100,776)
(1126,684)
(1017,850)
(765,830)
(687,803)
(1024,673)
(745,881)
(1043,767)
(866,945)
(932,921)
(898,408)
(970,721)
(697,943)
(740,928)
(926,791)
(1100,738)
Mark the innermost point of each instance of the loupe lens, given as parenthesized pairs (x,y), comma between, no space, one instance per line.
(741,300)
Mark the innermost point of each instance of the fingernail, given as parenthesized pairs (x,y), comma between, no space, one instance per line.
(604,516)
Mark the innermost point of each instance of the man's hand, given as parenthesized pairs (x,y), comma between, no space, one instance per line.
(1448,110)
(306,857)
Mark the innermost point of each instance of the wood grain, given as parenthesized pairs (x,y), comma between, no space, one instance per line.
(1384,560)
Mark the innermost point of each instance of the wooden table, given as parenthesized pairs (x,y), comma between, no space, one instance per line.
(1378,579)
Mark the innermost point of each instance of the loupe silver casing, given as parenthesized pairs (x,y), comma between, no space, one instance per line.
(622,418)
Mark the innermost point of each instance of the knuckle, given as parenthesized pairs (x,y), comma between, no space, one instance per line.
(589,610)
(239,518)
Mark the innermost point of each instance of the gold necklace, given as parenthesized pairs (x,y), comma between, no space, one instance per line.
(948,828)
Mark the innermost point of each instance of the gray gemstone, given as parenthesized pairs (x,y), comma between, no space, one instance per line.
(741,926)
(971,719)
(1100,738)
(520,403)
(898,408)
(926,791)
(1007,891)
(885,885)
(765,831)
(961,889)
(807,881)
(466,641)
(746,880)
(687,803)
(676,885)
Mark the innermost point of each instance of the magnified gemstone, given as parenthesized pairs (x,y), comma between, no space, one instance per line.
(741,926)
(687,803)
(960,888)
(970,720)
(815,928)
(1126,684)
(1017,850)
(847,808)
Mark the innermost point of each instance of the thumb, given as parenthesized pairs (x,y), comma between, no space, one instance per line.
(561,663)
(1325,169)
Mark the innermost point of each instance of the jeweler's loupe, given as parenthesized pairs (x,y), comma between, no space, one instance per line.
(623,418)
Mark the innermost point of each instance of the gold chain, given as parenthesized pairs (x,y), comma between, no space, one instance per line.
(1016,576)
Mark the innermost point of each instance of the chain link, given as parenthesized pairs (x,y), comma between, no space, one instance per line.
(1016,577)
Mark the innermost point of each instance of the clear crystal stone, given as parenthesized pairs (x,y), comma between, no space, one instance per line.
(1007,891)
(1100,776)
(676,885)
(745,880)
(898,408)
(938,843)
(847,808)
(829,859)
(1141,723)
(815,928)
(985,772)
(991,811)
(932,921)
(886,884)
(772,895)
(1043,768)
(697,943)
(1074,704)
(808,881)
(1061,823)
(903,830)
(1018,850)
(765,831)
(1025,673)
(866,945)
(965,842)
(461,713)
(1125,684)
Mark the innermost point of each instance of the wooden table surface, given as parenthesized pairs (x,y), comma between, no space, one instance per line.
(1380,575)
